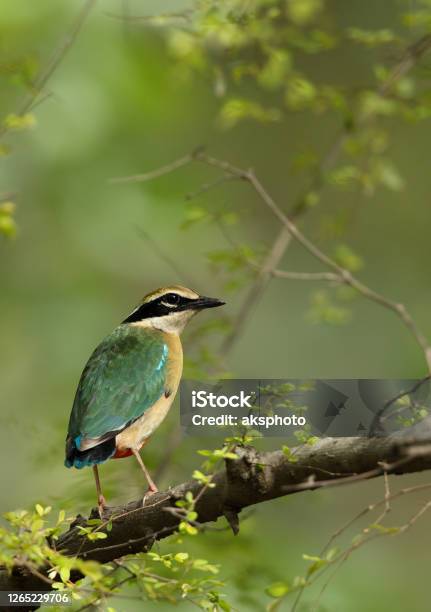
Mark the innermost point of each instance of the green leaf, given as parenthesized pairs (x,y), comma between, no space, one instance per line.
(389,176)
(19,122)
(347,258)
(290,456)
(302,12)
(204,479)
(344,176)
(94,522)
(274,71)
(7,223)
(193,215)
(316,564)
(65,574)
(203,566)
(372,38)
(330,555)
(186,528)
(300,93)
(373,103)
(323,310)
(58,586)
(277,589)
(384,529)
(239,109)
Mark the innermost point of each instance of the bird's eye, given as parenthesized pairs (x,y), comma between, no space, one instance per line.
(172,299)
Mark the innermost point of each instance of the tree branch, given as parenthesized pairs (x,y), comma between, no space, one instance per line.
(282,241)
(251,479)
(344,275)
(411,56)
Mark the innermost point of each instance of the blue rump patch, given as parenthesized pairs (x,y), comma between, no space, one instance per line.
(92,456)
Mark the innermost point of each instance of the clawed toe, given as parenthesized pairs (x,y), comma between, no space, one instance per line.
(101,505)
(149,493)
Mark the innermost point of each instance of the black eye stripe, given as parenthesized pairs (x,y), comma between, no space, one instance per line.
(159,307)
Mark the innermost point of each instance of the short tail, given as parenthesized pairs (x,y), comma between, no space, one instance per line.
(98,454)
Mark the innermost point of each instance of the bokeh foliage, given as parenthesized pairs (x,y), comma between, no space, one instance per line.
(262,83)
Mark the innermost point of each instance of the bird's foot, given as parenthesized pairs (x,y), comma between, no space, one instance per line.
(101,505)
(151,490)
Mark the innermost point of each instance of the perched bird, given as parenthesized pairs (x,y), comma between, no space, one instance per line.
(130,382)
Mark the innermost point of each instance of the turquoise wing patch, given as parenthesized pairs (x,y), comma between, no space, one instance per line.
(124,377)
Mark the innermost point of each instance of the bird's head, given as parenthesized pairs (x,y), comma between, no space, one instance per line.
(170,308)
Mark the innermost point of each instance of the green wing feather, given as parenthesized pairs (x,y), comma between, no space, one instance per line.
(124,377)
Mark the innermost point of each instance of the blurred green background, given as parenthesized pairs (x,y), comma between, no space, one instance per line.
(120,105)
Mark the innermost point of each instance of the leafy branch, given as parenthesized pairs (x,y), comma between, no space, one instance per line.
(251,478)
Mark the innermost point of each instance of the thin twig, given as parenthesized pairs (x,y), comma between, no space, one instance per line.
(378,416)
(416,516)
(148,176)
(185,15)
(343,556)
(224,178)
(387,501)
(308,276)
(312,484)
(33,570)
(370,508)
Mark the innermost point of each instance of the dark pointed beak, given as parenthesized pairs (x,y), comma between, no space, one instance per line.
(206,302)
